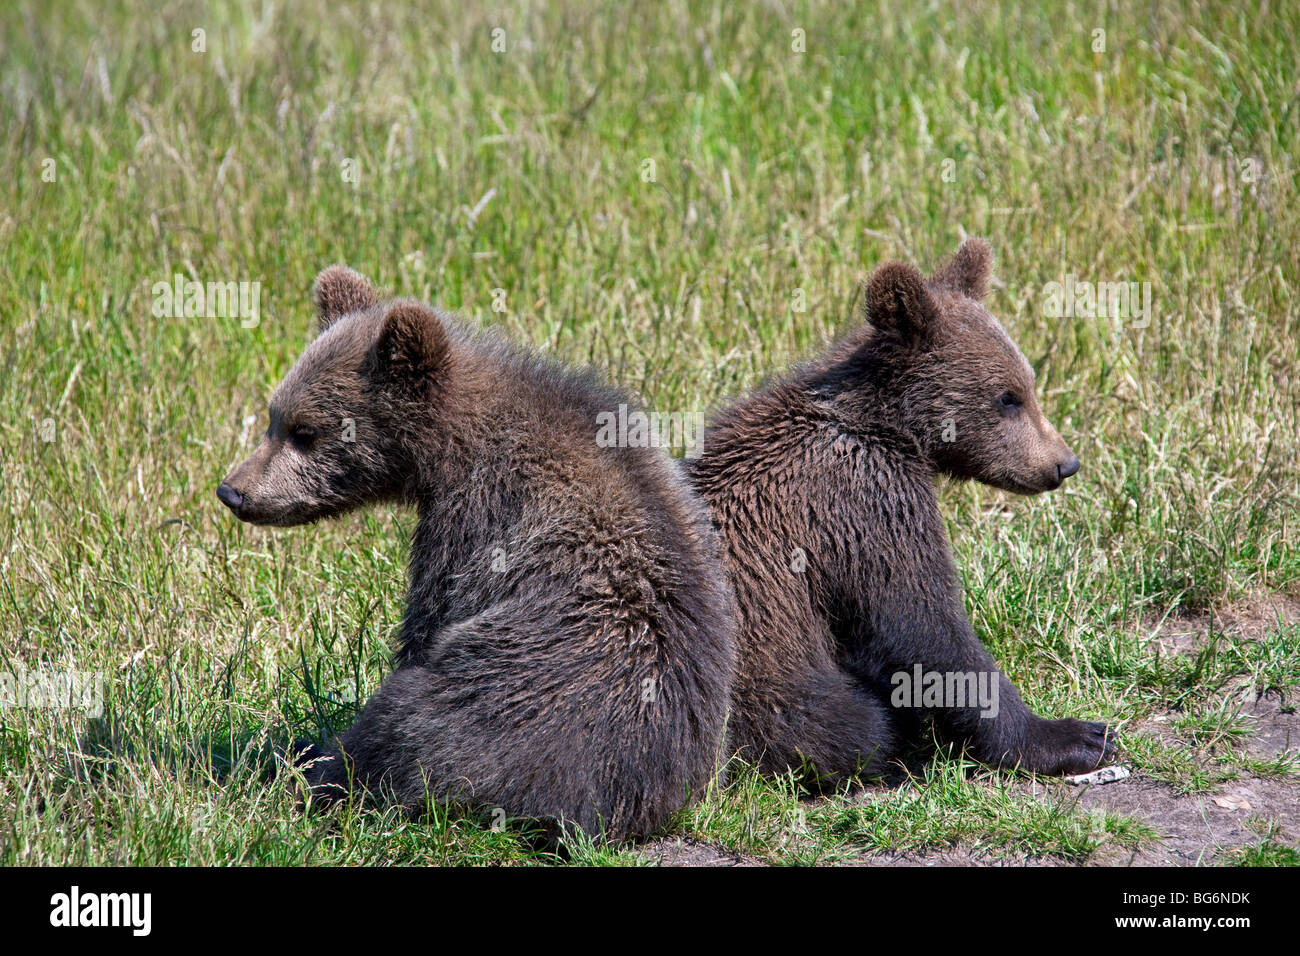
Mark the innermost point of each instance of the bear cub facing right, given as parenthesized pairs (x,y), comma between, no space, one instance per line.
(822,486)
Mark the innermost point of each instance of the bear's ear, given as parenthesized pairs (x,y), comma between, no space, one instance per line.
(338,290)
(898,303)
(412,345)
(968,270)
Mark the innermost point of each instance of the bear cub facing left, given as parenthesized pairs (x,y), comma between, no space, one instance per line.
(567,648)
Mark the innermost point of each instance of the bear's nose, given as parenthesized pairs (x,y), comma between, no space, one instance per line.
(231,498)
(1066,468)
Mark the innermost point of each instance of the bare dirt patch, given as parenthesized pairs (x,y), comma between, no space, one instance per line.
(1198,828)
(1184,632)
(1275,726)
(688,851)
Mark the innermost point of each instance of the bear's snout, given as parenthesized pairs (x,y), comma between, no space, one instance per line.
(1054,475)
(231,498)
(1067,468)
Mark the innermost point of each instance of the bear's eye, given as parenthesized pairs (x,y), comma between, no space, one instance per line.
(1009,401)
(303,435)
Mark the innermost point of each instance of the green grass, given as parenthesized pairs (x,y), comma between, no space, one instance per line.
(1270,851)
(948,805)
(1168,158)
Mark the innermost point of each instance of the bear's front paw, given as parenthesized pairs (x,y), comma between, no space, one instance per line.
(1068,746)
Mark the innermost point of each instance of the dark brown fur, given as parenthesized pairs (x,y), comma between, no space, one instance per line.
(835,466)
(584,680)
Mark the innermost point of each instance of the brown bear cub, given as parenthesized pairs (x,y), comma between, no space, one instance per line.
(822,486)
(567,650)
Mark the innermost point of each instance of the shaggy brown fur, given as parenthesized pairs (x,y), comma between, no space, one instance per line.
(822,485)
(567,649)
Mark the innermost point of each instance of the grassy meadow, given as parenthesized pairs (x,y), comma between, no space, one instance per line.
(686,196)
